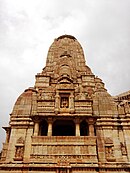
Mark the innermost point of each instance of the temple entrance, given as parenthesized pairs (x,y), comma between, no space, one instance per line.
(84,128)
(43,128)
(63,128)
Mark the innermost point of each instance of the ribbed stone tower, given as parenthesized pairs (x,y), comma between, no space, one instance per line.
(67,122)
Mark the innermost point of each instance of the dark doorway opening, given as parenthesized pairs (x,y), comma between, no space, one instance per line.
(84,128)
(63,128)
(43,128)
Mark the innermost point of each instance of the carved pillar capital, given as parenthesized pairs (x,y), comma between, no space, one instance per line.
(36,119)
(77,120)
(91,120)
(50,120)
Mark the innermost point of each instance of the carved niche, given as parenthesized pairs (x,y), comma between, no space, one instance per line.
(64,98)
(19,149)
(109,151)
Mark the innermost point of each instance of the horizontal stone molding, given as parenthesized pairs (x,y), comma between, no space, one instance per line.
(67,158)
(64,139)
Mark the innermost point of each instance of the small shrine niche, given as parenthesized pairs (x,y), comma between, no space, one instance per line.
(19,153)
(64,100)
(19,149)
(109,150)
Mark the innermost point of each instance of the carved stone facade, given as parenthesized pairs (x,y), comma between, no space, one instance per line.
(68,122)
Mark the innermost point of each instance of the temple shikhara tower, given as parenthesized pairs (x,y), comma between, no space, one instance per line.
(67,122)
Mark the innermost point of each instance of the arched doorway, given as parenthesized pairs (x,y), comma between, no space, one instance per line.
(84,130)
(63,128)
(43,128)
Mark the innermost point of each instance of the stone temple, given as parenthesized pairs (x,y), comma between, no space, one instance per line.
(67,122)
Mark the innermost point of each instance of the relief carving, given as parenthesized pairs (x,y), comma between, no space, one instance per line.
(108,141)
(19,149)
(124,107)
(46,96)
(82,93)
(81,96)
(90,92)
(123,149)
(127,107)
(120,108)
(20,141)
(67,157)
(60,150)
(64,102)
(63,161)
(109,150)
(19,153)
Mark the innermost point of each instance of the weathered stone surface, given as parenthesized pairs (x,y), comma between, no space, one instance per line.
(67,122)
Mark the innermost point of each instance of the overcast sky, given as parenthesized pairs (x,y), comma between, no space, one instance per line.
(28,28)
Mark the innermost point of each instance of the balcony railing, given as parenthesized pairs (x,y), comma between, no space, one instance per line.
(89,140)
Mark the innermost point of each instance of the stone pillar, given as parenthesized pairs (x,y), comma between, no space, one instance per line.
(7,129)
(57,102)
(7,135)
(77,127)
(49,127)
(68,171)
(71,102)
(91,130)
(36,128)
(91,122)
